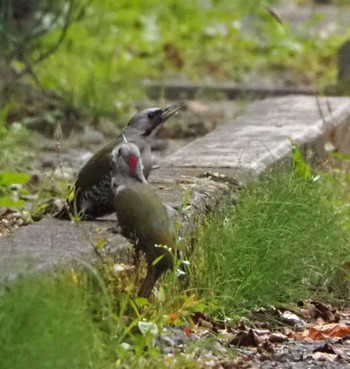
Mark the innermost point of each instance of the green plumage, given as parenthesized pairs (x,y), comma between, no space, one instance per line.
(141,215)
(145,215)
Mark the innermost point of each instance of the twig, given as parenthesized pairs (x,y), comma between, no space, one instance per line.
(29,65)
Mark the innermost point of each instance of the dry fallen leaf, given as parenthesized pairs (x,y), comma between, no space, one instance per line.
(323,356)
(205,323)
(278,337)
(289,333)
(320,332)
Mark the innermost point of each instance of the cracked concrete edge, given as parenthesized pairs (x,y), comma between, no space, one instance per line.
(52,244)
(211,169)
(261,136)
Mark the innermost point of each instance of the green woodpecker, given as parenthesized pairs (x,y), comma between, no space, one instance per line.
(141,214)
(93,196)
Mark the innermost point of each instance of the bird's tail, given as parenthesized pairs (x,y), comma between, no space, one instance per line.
(159,260)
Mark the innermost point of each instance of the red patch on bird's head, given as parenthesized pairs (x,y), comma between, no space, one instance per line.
(133,160)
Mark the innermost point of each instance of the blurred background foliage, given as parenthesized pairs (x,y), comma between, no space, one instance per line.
(66,65)
(95,53)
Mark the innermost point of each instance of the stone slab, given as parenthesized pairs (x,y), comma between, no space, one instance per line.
(261,136)
(205,172)
(51,243)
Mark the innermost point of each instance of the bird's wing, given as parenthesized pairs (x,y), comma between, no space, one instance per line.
(96,168)
(139,207)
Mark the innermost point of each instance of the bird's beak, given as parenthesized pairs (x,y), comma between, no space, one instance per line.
(170,111)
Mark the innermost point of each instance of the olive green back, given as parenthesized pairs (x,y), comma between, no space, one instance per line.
(141,212)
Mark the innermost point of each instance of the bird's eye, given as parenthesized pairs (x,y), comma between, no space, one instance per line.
(151,115)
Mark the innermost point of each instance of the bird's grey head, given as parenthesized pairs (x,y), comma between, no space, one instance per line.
(147,120)
(126,163)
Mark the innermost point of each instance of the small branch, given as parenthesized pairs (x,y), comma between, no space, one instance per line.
(30,71)
(29,65)
(63,35)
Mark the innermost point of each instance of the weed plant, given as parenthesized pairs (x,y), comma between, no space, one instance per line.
(88,319)
(287,239)
(47,323)
(283,242)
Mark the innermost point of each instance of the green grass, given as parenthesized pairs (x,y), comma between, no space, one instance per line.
(283,242)
(15,144)
(47,323)
(85,319)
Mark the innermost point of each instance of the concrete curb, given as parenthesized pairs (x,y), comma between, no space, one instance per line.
(209,170)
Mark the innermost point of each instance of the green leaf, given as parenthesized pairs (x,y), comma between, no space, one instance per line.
(101,242)
(341,156)
(7,202)
(157,260)
(186,198)
(135,307)
(141,302)
(71,195)
(300,166)
(161,294)
(8,178)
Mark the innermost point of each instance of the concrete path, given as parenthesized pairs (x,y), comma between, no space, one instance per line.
(206,171)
